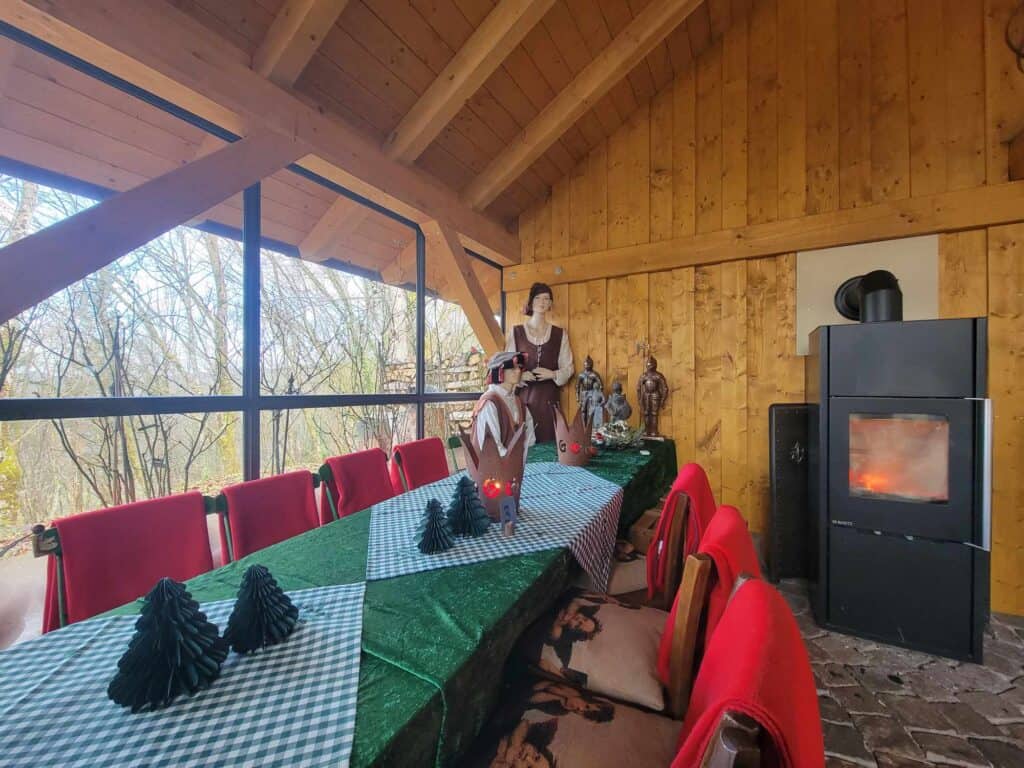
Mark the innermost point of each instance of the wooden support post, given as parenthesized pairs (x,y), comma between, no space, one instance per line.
(340,221)
(464,285)
(41,264)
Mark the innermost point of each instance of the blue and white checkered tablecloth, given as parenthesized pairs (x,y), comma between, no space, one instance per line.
(559,507)
(291,704)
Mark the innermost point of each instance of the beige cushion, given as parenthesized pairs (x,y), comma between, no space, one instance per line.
(554,724)
(599,643)
(629,571)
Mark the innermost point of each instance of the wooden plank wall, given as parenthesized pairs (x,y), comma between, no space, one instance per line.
(805,106)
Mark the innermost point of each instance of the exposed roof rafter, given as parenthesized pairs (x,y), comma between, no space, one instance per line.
(191,66)
(298,29)
(628,48)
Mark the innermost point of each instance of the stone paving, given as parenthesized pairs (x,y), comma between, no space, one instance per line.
(892,708)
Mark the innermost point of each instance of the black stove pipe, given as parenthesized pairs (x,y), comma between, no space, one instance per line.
(872,298)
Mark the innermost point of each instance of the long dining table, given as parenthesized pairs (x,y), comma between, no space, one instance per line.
(434,643)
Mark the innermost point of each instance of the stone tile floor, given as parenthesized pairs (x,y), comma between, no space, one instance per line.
(892,708)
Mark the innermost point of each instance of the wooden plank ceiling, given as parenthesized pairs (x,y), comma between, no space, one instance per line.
(369,68)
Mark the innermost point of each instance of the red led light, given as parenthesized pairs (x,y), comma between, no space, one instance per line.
(575,447)
(492,488)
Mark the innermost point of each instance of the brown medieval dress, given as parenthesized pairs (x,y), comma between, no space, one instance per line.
(539,395)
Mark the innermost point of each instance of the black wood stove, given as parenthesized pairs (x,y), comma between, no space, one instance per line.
(900,468)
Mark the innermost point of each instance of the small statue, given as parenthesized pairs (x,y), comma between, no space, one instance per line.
(651,393)
(618,407)
(585,384)
(595,404)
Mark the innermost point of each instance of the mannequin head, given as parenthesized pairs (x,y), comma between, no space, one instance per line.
(540,301)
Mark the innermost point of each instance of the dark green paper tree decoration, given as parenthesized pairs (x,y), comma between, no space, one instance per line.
(174,650)
(466,513)
(435,531)
(263,614)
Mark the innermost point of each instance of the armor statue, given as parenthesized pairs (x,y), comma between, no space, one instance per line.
(651,393)
(618,407)
(595,403)
(585,381)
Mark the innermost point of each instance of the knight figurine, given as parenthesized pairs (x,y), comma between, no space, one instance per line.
(595,403)
(585,384)
(618,406)
(651,393)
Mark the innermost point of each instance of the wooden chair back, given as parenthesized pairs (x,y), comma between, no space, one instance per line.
(693,594)
(735,743)
(674,553)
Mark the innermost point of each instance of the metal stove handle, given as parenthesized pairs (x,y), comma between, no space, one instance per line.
(985,441)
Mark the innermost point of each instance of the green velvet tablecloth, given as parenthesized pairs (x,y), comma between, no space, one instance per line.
(435,643)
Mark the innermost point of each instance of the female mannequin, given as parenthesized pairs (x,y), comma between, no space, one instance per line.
(548,360)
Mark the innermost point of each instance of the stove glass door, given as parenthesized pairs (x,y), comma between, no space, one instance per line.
(899,457)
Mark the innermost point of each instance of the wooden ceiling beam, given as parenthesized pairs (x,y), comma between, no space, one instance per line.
(8,50)
(298,29)
(489,45)
(945,212)
(628,48)
(155,46)
(464,285)
(332,229)
(103,233)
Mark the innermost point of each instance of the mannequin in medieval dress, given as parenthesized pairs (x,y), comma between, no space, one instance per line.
(499,411)
(548,360)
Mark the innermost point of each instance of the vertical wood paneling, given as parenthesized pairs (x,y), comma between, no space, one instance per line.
(963,273)
(762,109)
(927,71)
(890,131)
(542,233)
(659,325)
(598,173)
(854,104)
(588,313)
(681,375)
(560,234)
(709,139)
(661,166)
(579,208)
(789,366)
(627,327)
(629,182)
(526,233)
(792,108)
(707,312)
(1004,89)
(822,64)
(762,300)
(965,94)
(684,154)
(733,330)
(1006,371)
(734,125)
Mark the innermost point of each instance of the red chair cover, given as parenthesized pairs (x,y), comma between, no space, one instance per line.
(358,480)
(265,511)
(757,665)
(113,556)
(422,462)
(728,543)
(693,481)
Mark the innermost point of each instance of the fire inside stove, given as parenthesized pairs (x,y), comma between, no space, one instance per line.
(900,457)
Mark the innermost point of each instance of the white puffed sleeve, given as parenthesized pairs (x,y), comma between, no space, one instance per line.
(565,369)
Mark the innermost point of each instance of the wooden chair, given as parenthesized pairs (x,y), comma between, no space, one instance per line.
(258,513)
(735,743)
(108,557)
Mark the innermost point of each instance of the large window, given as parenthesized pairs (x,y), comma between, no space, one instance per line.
(174,367)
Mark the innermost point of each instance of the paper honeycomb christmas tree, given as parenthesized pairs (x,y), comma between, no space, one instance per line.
(175,650)
(467,515)
(435,530)
(263,614)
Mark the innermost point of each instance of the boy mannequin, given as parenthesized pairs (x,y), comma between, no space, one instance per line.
(499,411)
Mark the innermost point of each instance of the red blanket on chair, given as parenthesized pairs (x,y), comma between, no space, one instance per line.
(265,511)
(359,480)
(757,665)
(692,481)
(113,556)
(421,462)
(728,543)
